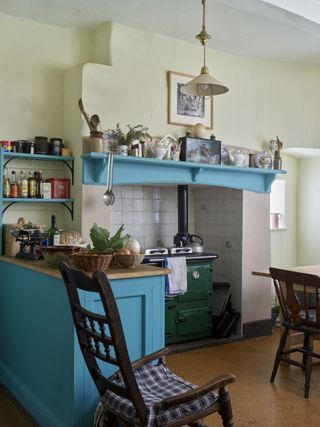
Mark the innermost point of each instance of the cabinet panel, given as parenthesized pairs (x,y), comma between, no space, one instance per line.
(194,321)
(170,321)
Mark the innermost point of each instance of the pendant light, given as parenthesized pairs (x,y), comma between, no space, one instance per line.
(204,84)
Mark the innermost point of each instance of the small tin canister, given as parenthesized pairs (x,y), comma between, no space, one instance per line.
(55,146)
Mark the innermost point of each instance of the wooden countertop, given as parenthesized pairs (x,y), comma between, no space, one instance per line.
(113,273)
(310,269)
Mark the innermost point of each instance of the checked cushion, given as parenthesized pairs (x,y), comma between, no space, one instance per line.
(156,382)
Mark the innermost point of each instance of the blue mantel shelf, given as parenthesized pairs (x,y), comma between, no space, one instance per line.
(144,171)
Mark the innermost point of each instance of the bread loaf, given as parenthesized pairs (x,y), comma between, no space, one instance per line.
(72,238)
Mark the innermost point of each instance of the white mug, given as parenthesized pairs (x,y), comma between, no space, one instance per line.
(123,150)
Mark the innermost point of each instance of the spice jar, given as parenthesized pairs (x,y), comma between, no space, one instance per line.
(18,146)
(55,146)
(41,145)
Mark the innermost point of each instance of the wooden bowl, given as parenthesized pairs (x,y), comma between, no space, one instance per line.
(129,261)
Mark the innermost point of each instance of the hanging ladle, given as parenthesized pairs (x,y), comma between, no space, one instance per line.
(109,196)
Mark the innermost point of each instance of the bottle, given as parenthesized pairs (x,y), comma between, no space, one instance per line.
(32,186)
(53,233)
(6,185)
(277,161)
(40,185)
(35,175)
(23,186)
(14,189)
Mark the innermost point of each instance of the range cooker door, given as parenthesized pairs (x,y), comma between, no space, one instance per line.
(199,277)
(194,322)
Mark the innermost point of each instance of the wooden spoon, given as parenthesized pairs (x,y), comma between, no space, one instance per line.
(95,121)
(86,116)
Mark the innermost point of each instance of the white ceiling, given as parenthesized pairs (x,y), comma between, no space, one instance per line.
(285,30)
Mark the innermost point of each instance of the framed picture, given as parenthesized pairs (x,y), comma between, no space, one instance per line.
(187,110)
(199,150)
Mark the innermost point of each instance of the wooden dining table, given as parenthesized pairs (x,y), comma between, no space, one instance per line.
(294,338)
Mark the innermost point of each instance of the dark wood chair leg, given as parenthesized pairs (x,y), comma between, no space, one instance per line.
(305,345)
(308,364)
(277,360)
(225,410)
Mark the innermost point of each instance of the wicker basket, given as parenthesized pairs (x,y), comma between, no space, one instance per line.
(91,261)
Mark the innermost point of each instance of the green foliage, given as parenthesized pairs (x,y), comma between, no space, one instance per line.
(138,132)
(103,242)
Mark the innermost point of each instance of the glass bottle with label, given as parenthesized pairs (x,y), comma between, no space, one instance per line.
(14,189)
(32,186)
(23,186)
(6,185)
(40,185)
(53,233)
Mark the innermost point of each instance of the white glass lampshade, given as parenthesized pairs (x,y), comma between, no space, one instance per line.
(204,85)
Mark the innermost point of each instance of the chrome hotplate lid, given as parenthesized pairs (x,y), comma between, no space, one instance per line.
(192,256)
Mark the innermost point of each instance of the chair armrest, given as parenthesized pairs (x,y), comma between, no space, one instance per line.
(150,358)
(215,384)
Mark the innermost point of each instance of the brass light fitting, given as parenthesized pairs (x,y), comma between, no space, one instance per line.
(204,84)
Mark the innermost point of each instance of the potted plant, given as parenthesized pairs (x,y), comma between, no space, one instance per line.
(136,134)
(104,246)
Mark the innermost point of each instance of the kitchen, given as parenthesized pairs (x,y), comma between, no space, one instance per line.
(144,102)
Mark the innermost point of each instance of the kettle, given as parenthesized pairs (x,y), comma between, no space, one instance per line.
(196,246)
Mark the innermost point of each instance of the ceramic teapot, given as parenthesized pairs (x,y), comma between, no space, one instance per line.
(238,158)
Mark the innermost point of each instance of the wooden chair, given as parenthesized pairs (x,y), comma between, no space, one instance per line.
(139,393)
(299,300)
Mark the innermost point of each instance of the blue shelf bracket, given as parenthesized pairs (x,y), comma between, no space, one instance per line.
(195,174)
(95,169)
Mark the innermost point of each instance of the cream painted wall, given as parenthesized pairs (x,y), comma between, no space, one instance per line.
(308,211)
(34,59)
(256,292)
(284,243)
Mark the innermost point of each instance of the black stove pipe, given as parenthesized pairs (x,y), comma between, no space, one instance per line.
(182,238)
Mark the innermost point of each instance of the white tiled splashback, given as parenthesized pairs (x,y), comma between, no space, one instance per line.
(215,213)
(149,214)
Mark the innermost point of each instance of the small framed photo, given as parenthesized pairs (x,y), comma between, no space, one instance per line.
(187,110)
(200,150)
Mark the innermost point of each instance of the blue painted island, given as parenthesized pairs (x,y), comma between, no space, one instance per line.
(40,361)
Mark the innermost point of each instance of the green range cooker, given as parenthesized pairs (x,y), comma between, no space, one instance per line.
(189,317)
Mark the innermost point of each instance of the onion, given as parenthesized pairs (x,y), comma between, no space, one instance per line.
(133,245)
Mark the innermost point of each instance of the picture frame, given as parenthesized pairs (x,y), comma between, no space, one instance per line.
(187,110)
(200,150)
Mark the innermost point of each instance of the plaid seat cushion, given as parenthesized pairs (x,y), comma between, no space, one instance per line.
(157,382)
